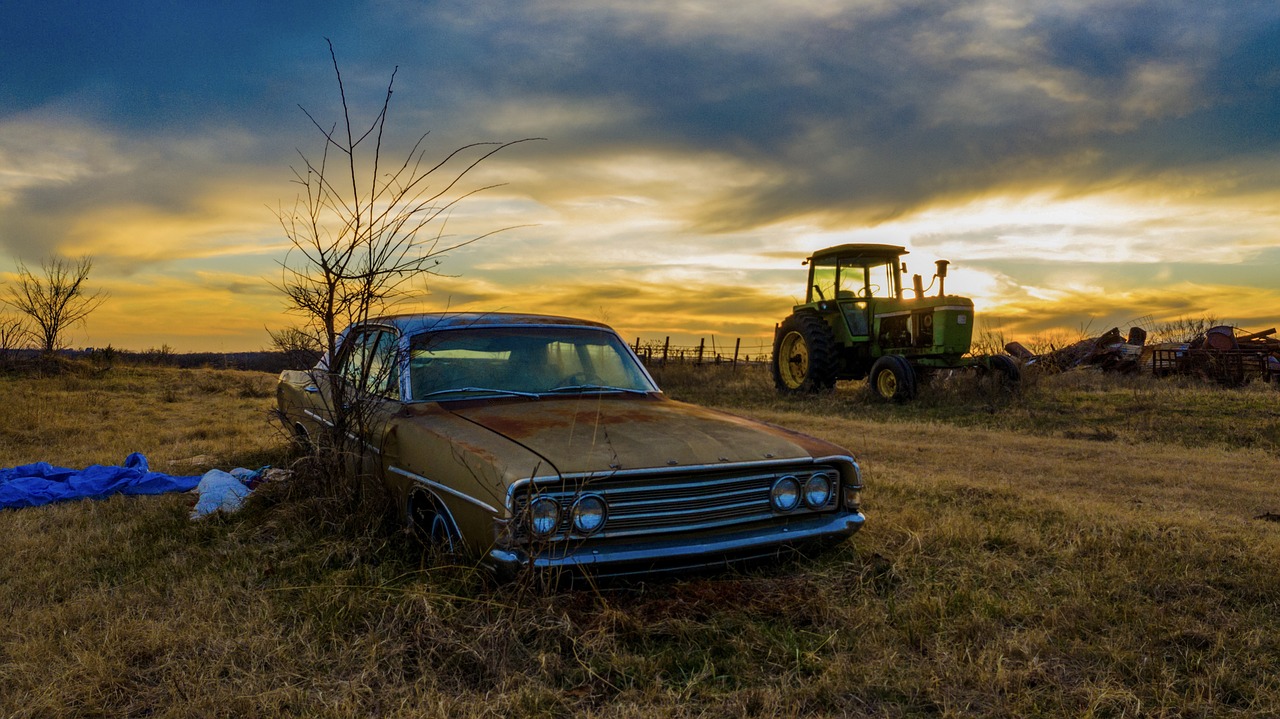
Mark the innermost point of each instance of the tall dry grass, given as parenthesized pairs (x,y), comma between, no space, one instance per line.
(185,421)
(1005,570)
(1080,403)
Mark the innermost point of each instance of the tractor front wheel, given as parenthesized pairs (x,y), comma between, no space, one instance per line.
(892,379)
(804,354)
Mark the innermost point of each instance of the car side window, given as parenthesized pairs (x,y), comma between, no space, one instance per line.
(369,361)
(384,366)
(354,356)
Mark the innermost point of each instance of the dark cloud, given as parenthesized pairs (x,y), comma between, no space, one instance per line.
(165,178)
(855,116)
(858,117)
(149,64)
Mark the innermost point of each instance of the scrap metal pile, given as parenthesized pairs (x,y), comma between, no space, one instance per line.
(1220,354)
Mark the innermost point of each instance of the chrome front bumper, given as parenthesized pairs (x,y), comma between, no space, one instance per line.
(682,554)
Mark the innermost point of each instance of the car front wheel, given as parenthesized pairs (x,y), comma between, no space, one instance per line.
(432,525)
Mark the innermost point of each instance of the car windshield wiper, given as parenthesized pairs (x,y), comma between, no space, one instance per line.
(478,390)
(582,388)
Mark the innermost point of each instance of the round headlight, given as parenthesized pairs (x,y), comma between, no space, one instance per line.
(785,494)
(588,513)
(544,516)
(817,490)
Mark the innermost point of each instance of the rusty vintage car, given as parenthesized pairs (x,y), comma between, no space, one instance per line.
(542,442)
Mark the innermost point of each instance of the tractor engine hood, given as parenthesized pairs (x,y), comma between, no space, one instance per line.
(600,433)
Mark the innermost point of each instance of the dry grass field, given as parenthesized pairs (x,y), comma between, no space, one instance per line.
(1087,548)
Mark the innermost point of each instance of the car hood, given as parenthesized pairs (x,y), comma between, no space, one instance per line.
(593,433)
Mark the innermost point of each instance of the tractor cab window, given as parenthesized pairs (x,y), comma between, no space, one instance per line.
(853,281)
(884,279)
(864,280)
(822,285)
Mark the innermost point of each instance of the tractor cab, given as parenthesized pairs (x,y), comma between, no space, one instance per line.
(852,277)
(855,272)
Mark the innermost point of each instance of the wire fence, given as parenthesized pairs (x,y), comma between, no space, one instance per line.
(659,353)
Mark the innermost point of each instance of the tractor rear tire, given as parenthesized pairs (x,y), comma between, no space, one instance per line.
(892,379)
(804,355)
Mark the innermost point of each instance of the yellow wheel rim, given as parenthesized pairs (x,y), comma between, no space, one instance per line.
(887,383)
(793,365)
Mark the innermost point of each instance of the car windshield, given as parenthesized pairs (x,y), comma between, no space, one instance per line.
(521,361)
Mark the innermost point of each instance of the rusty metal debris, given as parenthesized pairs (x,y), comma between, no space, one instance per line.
(1221,354)
(1112,352)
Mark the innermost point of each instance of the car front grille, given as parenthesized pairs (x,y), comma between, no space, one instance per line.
(645,504)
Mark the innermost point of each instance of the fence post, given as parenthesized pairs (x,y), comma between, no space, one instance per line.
(736,344)
(702,344)
(637,347)
(665,347)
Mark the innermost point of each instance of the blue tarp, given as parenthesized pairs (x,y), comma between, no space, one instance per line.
(32,485)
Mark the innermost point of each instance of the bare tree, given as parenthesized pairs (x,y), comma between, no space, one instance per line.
(55,299)
(364,231)
(13,334)
(300,347)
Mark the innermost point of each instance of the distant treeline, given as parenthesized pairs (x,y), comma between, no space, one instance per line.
(262,361)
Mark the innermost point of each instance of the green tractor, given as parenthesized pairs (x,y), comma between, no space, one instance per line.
(856,323)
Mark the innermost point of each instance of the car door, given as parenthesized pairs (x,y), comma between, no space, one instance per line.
(355,383)
(323,387)
(368,373)
(381,394)
(333,383)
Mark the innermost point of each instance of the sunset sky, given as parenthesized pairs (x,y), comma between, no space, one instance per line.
(1082,164)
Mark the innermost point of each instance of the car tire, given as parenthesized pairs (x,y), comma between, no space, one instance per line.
(892,379)
(804,355)
(1007,369)
(432,525)
(302,439)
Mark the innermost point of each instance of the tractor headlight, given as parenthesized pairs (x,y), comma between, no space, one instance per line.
(817,490)
(588,513)
(785,494)
(544,516)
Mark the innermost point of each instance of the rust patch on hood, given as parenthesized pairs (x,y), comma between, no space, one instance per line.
(595,433)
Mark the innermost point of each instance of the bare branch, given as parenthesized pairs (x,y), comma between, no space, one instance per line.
(55,299)
(359,237)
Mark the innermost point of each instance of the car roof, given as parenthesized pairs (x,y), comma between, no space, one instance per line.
(859,251)
(432,321)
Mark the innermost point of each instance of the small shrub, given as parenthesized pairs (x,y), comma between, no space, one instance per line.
(104,358)
(254,386)
(161,356)
(170,393)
